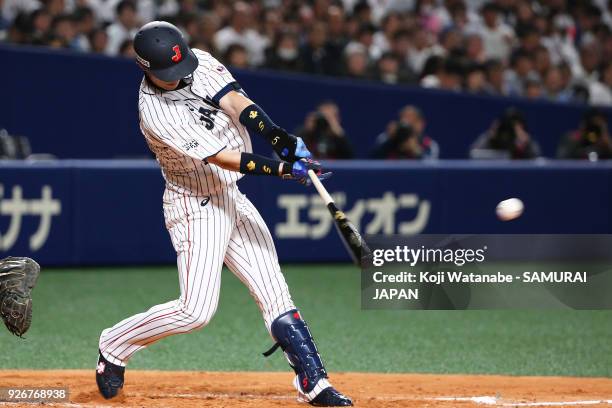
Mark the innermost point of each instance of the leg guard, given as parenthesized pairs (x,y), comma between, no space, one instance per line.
(293,337)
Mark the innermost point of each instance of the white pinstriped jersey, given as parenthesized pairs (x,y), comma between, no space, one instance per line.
(185,126)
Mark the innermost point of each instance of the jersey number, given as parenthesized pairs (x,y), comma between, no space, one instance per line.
(208,117)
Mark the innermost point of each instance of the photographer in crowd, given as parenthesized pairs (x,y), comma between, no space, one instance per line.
(507,138)
(323,133)
(405,138)
(591,141)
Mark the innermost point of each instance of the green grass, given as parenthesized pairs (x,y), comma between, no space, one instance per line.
(72,307)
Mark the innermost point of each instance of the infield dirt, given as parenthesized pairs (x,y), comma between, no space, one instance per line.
(273,389)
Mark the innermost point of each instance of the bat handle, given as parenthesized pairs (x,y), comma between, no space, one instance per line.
(320,187)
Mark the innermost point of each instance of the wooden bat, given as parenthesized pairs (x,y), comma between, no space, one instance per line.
(351,238)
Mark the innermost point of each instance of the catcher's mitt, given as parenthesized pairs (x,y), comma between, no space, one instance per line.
(17,278)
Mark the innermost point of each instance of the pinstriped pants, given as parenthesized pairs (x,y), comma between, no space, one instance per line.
(206,232)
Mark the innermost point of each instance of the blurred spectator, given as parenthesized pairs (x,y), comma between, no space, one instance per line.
(521,67)
(389,69)
(236,56)
(240,32)
(40,21)
(126,49)
(507,138)
(63,29)
(84,23)
(284,53)
(124,28)
(420,50)
(591,141)
(323,134)
(405,138)
(476,80)
(365,39)
(400,46)
(356,62)
(98,41)
(54,7)
(208,25)
(337,26)
(317,56)
(533,88)
(443,73)
(555,87)
(450,77)
(496,35)
(541,60)
(382,39)
(494,70)
(474,49)
(590,57)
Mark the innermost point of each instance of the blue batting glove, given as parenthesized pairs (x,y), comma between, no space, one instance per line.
(299,171)
(301,151)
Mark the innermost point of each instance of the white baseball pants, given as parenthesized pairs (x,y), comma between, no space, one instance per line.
(206,232)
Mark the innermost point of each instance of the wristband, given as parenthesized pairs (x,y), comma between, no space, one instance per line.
(259,165)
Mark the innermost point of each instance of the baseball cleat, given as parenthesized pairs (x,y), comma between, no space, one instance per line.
(109,377)
(330,397)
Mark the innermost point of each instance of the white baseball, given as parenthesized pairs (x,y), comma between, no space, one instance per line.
(509,209)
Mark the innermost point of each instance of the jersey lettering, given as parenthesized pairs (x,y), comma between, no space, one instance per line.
(208,117)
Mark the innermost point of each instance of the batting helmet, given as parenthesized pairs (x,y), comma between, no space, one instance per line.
(162,51)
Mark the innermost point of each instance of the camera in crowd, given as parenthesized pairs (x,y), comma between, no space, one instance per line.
(403,132)
(320,123)
(592,128)
(507,138)
(504,136)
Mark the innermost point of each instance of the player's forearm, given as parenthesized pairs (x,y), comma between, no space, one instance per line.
(253,117)
(258,122)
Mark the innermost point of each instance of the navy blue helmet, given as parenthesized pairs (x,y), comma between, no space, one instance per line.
(162,50)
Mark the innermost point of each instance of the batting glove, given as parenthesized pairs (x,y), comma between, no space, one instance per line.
(299,171)
(301,151)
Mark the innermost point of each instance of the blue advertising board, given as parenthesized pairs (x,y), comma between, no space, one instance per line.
(110,212)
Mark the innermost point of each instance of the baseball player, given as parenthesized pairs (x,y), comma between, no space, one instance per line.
(196,119)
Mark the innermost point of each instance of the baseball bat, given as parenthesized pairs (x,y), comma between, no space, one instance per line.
(352,240)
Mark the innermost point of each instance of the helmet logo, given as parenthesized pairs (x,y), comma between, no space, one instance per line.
(177,53)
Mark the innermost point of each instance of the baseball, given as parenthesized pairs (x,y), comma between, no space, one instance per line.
(509,209)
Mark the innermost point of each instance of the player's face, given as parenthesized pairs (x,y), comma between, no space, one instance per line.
(169,86)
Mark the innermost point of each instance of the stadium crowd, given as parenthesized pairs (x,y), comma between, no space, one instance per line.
(552,49)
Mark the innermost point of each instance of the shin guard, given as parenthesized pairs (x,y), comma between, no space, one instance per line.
(293,337)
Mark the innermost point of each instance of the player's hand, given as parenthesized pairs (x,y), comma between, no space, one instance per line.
(299,171)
